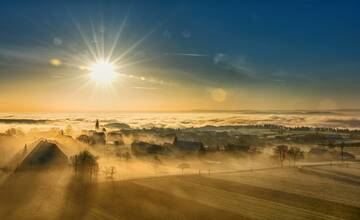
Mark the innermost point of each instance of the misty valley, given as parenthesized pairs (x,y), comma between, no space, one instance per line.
(179,110)
(113,170)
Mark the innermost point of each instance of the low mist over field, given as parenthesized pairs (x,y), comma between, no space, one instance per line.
(179,110)
(65,166)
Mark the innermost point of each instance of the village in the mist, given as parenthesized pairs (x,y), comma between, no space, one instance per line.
(179,110)
(210,165)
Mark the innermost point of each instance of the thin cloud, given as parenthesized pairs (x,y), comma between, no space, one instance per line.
(186,54)
(237,63)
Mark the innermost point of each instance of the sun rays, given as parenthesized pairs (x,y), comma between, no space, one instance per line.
(103,53)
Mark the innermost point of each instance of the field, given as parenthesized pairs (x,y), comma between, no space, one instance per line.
(313,192)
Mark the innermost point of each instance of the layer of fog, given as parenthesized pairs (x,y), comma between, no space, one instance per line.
(111,157)
(79,121)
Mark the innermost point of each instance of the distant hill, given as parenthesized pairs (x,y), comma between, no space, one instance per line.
(117,126)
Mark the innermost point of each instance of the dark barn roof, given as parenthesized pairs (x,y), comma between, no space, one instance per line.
(44,154)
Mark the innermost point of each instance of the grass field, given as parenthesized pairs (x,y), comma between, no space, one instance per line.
(318,192)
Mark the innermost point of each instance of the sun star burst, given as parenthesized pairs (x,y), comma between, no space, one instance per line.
(102,72)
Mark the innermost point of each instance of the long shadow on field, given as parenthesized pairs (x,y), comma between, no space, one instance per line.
(295,200)
(16,191)
(336,172)
(127,200)
(78,197)
(331,175)
(19,190)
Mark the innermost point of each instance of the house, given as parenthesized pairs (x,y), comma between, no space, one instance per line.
(115,138)
(188,146)
(99,137)
(119,126)
(317,151)
(237,147)
(45,154)
(140,148)
(85,139)
(93,138)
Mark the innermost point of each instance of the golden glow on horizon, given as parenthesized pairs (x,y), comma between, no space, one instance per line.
(102,72)
(85,81)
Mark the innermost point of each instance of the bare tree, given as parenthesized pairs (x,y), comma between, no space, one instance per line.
(110,173)
(183,166)
(281,151)
(295,153)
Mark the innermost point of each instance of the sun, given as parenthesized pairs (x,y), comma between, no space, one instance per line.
(102,72)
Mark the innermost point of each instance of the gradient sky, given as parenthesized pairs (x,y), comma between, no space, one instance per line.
(181,55)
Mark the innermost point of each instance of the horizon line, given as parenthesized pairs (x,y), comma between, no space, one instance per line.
(187,111)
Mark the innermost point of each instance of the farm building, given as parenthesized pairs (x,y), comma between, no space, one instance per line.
(44,154)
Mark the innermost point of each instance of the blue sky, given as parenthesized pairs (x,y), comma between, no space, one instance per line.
(309,50)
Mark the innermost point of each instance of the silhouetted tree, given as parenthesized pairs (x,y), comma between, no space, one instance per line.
(295,153)
(85,165)
(183,166)
(281,151)
(110,173)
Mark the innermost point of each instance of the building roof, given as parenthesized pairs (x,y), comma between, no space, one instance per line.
(188,145)
(44,154)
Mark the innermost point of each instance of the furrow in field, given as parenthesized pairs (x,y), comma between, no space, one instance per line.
(249,206)
(293,181)
(314,204)
(347,172)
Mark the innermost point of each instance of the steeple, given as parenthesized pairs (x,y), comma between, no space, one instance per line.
(97,126)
